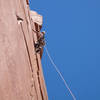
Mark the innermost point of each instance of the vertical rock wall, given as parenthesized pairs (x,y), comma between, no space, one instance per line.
(21,76)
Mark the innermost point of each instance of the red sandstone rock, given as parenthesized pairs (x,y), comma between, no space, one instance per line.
(21,76)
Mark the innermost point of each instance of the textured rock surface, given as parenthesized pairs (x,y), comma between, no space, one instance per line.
(21,76)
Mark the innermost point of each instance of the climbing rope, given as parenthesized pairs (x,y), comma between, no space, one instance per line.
(57,70)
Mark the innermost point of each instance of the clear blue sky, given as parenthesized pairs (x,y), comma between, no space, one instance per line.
(73,40)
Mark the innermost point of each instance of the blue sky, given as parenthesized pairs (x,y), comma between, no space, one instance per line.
(73,40)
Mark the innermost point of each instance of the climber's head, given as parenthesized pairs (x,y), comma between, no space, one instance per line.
(43,32)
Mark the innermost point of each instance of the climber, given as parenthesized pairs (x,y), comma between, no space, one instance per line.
(40,42)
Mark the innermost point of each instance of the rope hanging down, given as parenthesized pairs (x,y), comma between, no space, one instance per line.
(57,70)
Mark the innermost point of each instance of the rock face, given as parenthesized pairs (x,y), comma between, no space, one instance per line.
(21,76)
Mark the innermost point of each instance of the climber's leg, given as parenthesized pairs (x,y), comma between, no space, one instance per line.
(36,44)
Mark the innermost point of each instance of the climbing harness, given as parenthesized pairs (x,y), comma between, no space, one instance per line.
(58,71)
